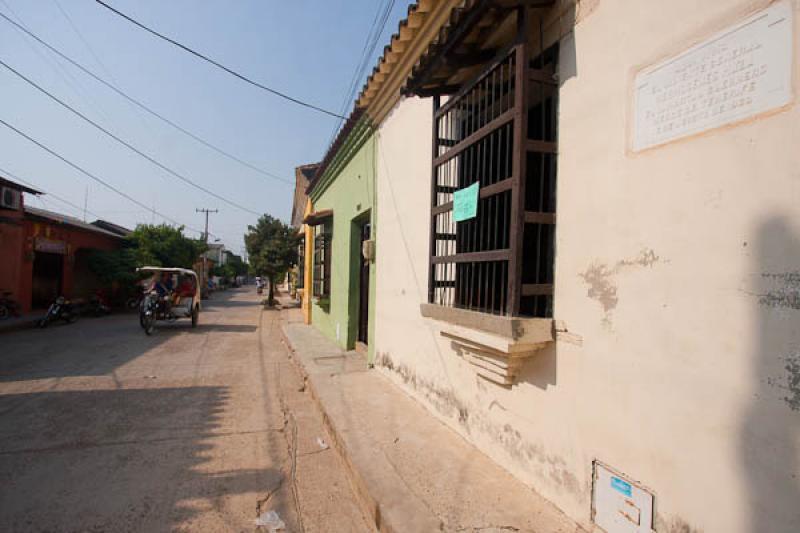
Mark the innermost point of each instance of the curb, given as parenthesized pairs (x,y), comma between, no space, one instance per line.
(369,505)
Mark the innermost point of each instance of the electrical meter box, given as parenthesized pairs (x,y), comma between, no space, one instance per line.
(619,504)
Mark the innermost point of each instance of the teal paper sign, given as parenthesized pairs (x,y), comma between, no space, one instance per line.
(465,202)
(621,486)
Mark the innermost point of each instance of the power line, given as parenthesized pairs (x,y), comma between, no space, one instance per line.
(373,37)
(88,47)
(83,40)
(353,79)
(59,198)
(144,107)
(63,73)
(128,145)
(95,178)
(217,64)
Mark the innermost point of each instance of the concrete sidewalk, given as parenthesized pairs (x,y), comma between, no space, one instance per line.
(410,471)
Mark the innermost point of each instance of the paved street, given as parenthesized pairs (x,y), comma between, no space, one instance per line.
(105,429)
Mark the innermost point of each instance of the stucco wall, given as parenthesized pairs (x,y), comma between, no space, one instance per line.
(677,276)
(351,196)
(11,250)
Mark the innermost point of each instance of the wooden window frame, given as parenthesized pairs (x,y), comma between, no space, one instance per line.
(496,116)
(301,263)
(321,273)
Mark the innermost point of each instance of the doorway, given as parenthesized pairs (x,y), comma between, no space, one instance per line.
(363,286)
(48,272)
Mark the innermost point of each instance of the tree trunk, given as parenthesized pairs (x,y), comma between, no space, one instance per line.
(271,297)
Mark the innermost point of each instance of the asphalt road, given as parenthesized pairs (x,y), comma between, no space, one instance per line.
(105,429)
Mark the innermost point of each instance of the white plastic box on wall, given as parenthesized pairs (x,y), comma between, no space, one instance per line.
(619,504)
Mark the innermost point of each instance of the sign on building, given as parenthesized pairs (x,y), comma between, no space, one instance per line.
(740,72)
(465,202)
(50,246)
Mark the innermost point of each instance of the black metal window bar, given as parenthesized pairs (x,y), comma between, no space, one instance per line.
(500,131)
(321,273)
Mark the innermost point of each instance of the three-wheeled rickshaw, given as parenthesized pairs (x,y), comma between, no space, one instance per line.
(174,293)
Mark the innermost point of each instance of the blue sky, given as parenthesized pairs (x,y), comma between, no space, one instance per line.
(305,48)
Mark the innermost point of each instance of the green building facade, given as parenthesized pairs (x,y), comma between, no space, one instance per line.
(347,189)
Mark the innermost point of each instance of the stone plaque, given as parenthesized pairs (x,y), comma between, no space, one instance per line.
(739,72)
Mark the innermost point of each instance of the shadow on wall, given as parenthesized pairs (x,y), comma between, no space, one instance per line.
(541,370)
(770,434)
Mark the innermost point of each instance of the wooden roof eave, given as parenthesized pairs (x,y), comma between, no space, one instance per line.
(316,218)
(381,100)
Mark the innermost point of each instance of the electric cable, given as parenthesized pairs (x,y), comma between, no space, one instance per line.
(216,63)
(128,145)
(95,178)
(143,106)
(16,177)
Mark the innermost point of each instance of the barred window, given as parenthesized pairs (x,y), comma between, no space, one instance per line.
(301,263)
(499,131)
(322,262)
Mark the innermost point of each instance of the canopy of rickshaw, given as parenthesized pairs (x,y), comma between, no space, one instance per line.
(173,270)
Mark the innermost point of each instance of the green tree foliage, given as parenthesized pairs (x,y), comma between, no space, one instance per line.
(151,245)
(272,247)
(115,266)
(166,246)
(237,264)
(234,266)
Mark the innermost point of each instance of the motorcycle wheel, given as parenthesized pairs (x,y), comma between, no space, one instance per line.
(42,323)
(72,318)
(4,312)
(148,323)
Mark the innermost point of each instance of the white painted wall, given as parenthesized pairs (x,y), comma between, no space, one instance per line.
(684,380)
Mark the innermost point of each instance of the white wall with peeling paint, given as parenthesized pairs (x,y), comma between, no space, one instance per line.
(677,276)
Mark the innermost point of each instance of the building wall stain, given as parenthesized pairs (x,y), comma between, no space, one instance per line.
(601,279)
(674,525)
(786,293)
(790,382)
(547,466)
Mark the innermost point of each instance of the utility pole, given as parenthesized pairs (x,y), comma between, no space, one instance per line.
(205,254)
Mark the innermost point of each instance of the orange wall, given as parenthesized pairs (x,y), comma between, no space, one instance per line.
(17,238)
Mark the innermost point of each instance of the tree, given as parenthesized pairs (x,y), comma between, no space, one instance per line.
(148,245)
(235,262)
(272,247)
(165,246)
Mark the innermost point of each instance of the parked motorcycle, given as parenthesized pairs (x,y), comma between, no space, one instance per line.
(8,306)
(61,309)
(97,306)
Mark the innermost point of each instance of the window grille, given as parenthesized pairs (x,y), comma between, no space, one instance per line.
(322,262)
(301,264)
(499,130)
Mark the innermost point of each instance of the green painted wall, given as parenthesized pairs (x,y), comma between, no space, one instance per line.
(350,191)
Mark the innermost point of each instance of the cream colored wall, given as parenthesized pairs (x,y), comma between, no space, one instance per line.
(677,275)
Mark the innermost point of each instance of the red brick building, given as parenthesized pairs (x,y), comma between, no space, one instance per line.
(45,254)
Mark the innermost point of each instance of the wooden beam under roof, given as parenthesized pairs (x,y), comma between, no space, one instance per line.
(460,44)
(511,4)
